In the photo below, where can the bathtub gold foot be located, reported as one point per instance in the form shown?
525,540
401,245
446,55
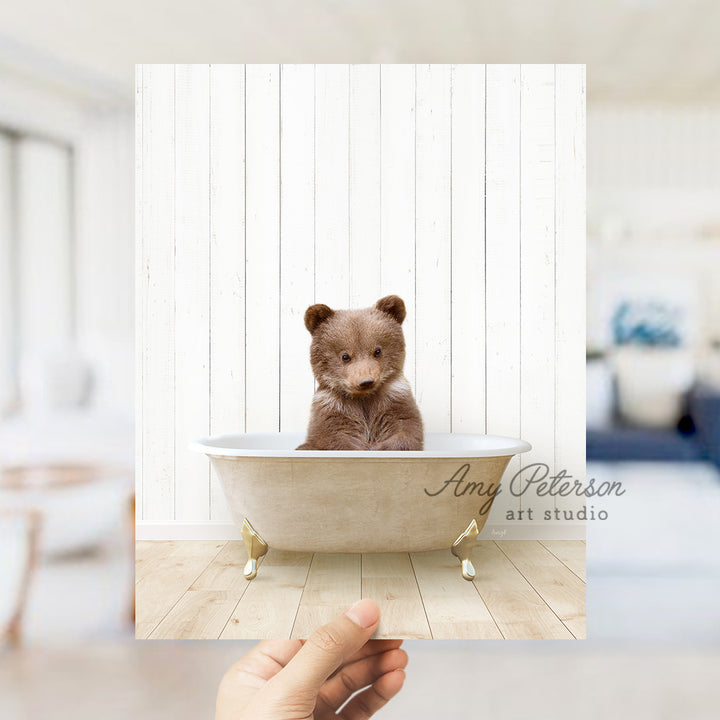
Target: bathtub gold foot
256,547
462,548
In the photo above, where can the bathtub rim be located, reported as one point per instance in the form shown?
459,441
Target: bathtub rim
506,446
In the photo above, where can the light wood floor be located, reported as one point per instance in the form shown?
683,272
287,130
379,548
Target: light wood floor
523,589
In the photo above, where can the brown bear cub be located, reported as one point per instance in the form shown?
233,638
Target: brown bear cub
363,401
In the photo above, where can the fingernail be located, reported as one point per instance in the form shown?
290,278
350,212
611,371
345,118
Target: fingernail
364,613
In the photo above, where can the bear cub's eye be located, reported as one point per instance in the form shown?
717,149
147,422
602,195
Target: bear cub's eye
377,352
345,358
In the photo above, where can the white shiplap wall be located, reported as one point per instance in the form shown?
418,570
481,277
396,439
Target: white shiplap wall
265,188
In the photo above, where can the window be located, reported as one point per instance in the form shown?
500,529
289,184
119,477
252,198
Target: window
37,268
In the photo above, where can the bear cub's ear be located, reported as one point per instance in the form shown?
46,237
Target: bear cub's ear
315,315
393,306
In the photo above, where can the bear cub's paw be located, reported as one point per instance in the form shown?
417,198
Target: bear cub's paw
399,443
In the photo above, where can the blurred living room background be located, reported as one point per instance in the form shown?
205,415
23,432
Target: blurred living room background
66,348
67,275
653,362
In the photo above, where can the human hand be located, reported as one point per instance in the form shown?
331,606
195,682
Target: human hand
312,679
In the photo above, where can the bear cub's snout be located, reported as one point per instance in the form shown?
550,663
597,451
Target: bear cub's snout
362,401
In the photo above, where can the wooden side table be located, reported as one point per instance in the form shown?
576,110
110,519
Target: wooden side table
27,523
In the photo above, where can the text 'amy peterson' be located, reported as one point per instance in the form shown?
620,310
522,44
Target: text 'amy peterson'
536,477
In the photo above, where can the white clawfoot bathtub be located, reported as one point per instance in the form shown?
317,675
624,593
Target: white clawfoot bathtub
359,502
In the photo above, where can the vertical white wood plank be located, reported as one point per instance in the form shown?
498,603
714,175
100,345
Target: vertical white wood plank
297,242
468,248
227,262
502,277
45,250
570,275
537,272
262,349
364,185
397,212
432,253
8,306
332,225
158,272
192,288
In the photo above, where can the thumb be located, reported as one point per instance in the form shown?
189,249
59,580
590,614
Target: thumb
328,648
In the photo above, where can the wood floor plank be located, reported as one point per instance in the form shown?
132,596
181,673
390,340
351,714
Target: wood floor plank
225,572
143,629
149,552
453,607
571,553
517,609
333,584
577,627
268,607
149,549
162,580
561,589
198,615
197,548
388,578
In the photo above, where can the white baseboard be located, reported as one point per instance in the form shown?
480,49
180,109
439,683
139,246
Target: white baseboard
227,531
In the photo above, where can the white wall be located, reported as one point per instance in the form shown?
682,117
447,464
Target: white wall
654,216
263,189
37,316
105,256
66,241
654,170
45,263
8,334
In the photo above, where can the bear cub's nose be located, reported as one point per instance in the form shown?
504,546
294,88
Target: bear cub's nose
366,383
